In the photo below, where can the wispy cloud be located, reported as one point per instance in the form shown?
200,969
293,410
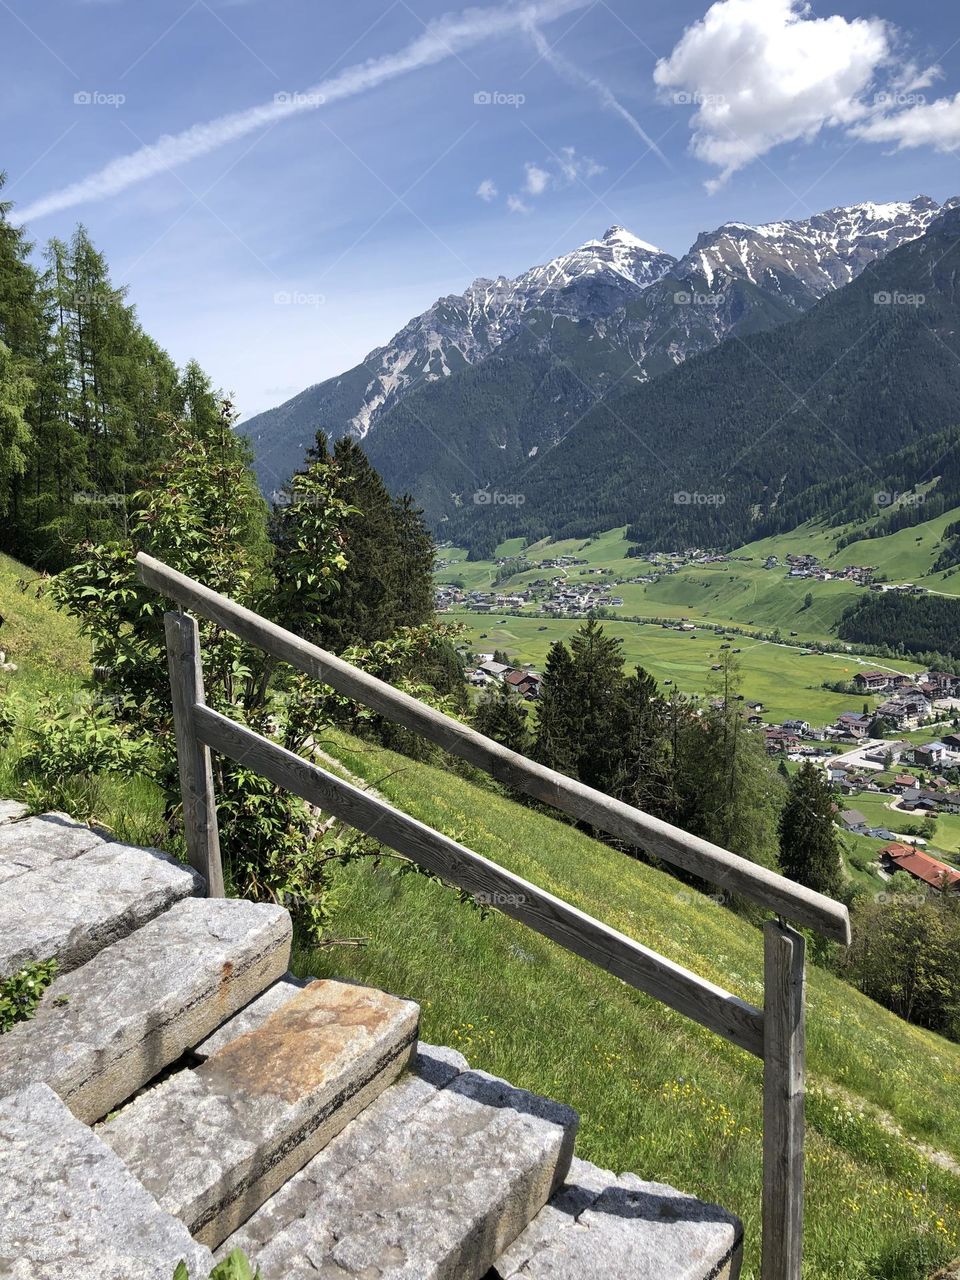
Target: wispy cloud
574,75
487,190
441,39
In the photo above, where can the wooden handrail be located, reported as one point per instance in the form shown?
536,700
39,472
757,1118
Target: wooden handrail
675,986
775,1034
727,870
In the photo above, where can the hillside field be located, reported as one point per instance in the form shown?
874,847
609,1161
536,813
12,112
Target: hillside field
787,682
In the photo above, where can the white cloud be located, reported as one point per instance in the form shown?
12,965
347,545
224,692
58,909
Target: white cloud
922,124
487,190
440,40
764,72
516,205
536,181
574,167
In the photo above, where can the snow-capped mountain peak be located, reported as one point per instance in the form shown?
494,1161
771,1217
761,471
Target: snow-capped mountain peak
817,254
622,293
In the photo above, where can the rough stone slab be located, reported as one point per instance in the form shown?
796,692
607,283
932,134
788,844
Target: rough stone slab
606,1227
432,1069
12,810
30,844
74,908
103,1031
437,1196
214,1143
253,1015
69,1209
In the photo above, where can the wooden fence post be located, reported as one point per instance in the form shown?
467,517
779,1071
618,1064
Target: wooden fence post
783,1099
193,758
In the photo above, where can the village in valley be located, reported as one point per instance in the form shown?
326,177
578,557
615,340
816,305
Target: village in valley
893,755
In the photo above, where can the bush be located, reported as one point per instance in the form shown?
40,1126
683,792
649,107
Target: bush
67,751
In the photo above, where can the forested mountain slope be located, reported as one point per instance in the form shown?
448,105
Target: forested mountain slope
707,455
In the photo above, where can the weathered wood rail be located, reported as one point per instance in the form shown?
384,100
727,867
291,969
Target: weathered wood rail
775,1034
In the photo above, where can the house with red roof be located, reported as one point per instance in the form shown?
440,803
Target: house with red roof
897,856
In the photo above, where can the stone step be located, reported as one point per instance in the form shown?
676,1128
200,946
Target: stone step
212,1144
106,1029
30,844
253,1015
610,1228
431,1182
70,1210
68,892
12,810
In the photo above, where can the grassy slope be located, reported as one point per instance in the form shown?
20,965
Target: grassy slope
54,661
656,1093
788,683
42,642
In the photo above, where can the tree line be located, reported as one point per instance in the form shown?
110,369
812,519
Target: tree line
86,397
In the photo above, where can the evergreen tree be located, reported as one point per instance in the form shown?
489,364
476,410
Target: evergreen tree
15,435
555,736
809,841
388,577
501,715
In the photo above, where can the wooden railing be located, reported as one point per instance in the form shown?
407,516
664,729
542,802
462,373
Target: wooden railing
775,1033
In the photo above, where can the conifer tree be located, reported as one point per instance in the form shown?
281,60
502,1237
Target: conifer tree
809,841
554,744
500,715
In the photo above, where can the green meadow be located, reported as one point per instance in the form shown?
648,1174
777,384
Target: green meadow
787,682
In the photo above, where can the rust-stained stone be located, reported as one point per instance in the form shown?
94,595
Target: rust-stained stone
253,1015
213,1143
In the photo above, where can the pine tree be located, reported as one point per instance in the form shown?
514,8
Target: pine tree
388,578
15,434
500,715
554,744
809,841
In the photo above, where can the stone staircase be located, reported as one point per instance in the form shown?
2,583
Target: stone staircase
178,1095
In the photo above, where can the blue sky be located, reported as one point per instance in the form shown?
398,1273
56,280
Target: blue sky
279,246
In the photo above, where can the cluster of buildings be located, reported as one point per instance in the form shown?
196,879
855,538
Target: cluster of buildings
809,566
558,596
524,682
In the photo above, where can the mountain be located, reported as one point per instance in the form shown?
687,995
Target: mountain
616,308
713,454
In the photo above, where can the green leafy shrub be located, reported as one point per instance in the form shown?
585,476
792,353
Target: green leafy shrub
67,750
236,1267
22,992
